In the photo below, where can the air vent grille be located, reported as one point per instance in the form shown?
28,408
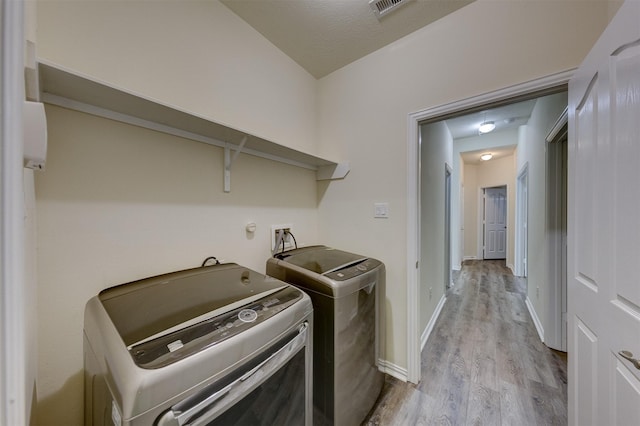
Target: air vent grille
384,7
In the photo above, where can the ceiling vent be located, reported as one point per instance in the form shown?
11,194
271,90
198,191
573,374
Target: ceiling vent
384,7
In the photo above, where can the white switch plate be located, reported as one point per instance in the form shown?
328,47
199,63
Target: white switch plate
381,210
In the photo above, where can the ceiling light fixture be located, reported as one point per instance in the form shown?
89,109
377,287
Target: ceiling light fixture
486,156
486,127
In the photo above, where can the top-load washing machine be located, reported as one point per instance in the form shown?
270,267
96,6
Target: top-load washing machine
346,290
217,345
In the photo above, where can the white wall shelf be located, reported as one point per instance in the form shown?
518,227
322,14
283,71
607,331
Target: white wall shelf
68,89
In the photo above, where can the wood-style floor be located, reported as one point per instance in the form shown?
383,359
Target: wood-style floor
483,364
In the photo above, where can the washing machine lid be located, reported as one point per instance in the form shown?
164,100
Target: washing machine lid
147,310
321,259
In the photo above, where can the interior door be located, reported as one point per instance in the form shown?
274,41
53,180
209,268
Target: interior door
495,223
604,227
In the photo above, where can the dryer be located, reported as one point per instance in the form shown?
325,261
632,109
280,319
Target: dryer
346,290
217,345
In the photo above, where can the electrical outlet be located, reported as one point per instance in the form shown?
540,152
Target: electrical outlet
288,241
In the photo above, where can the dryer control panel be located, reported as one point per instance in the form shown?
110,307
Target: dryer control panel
353,270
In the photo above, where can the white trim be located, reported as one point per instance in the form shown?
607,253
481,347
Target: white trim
413,252
556,244
512,268
534,317
413,200
392,370
12,309
521,215
432,322
557,127
482,218
470,258
480,224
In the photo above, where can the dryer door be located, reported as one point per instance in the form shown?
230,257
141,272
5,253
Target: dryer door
270,389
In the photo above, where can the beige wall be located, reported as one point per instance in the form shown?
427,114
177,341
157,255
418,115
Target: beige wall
194,55
470,214
468,220
531,152
435,155
363,111
119,203
489,174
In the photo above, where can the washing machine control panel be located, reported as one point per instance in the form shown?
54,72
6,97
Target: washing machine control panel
353,270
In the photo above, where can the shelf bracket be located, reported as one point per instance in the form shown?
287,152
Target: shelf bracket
228,162
333,172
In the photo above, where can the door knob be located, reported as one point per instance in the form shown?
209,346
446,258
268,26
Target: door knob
629,356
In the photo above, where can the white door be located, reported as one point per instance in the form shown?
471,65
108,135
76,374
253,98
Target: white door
604,227
495,223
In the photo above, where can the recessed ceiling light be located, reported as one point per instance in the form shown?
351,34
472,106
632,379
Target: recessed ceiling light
486,156
486,127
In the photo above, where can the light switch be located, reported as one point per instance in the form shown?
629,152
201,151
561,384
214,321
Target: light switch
381,210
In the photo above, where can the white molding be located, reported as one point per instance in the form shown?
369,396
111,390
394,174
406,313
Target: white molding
432,322
413,253
12,302
517,90
413,223
480,225
392,370
512,268
470,258
520,214
535,318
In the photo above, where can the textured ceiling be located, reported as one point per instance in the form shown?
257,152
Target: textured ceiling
325,35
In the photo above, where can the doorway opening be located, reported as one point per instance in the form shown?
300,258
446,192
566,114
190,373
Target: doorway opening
447,229
522,217
529,91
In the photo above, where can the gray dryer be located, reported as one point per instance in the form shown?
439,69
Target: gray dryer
346,290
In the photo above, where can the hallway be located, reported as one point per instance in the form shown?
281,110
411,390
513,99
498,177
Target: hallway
483,364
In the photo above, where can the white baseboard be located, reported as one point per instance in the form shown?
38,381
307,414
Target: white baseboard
393,370
536,320
432,322
513,269
470,258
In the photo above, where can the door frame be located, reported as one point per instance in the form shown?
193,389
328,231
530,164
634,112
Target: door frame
448,266
534,88
522,218
557,199
482,214
13,398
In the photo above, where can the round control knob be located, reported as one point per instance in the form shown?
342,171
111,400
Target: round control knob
247,315
361,267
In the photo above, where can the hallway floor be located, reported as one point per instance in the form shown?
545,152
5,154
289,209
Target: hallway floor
483,364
